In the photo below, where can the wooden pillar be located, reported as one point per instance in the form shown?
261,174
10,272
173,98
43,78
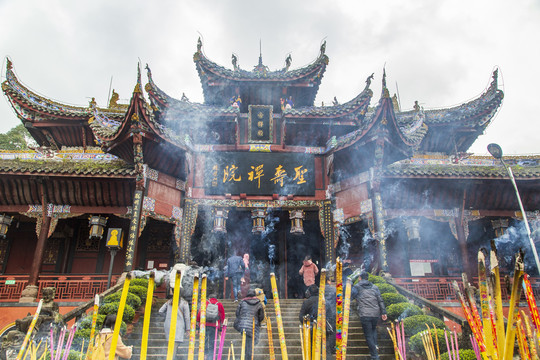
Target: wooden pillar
462,241
188,227
326,220
40,249
133,234
30,292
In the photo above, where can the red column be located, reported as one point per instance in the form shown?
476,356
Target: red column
40,249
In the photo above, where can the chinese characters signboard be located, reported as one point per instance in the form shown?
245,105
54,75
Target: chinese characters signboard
260,124
260,174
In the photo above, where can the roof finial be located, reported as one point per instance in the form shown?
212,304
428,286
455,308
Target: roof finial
385,93
9,65
260,53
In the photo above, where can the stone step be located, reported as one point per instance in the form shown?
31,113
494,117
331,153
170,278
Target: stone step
356,348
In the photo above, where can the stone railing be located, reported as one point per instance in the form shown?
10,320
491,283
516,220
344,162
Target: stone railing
70,288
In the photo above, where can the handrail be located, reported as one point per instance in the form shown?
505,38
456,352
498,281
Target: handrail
79,311
431,305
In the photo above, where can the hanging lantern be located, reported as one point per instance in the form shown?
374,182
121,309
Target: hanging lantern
258,216
499,226
412,225
297,221
97,226
220,219
5,221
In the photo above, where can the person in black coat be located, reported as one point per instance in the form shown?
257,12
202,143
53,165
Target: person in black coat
310,305
250,308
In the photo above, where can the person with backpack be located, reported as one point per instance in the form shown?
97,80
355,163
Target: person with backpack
249,312
370,309
235,271
183,320
215,315
103,342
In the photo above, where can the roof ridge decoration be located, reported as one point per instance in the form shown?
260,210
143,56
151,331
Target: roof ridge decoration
349,108
476,113
161,102
260,72
13,87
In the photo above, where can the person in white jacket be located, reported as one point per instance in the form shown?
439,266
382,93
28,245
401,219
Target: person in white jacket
182,321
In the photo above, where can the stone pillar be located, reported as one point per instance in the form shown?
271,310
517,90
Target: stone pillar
380,230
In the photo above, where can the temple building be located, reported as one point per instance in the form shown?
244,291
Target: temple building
258,168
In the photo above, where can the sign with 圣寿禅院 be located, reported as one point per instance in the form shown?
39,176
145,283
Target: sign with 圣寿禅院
259,174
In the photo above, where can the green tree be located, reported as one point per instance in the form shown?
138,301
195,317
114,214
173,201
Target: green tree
17,138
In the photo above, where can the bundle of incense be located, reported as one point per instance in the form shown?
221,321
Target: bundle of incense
253,339
532,340
392,334
313,336
472,323
82,348
222,340
426,336
533,309
60,344
454,350
521,334
193,323
70,341
450,353
232,348
339,307
51,342
93,328
499,317
174,317
243,350
147,311
436,340
457,343
403,339
300,330
270,340
279,320
346,310
229,356
485,306
30,330
475,347
202,323
509,341
469,296
323,332
119,317
399,341
319,328
215,341
307,343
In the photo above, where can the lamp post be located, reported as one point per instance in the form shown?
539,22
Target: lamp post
496,151
115,241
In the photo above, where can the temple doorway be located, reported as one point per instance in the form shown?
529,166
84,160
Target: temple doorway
273,250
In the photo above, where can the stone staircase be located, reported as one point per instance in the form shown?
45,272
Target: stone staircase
356,348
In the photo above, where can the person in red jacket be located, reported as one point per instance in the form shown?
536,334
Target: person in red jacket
309,270
214,319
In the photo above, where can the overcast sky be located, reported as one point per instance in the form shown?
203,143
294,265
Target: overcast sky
441,53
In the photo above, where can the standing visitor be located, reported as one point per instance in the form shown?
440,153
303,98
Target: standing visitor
250,309
370,309
235,271
246,279
215,315
183,319
308,270
105,338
